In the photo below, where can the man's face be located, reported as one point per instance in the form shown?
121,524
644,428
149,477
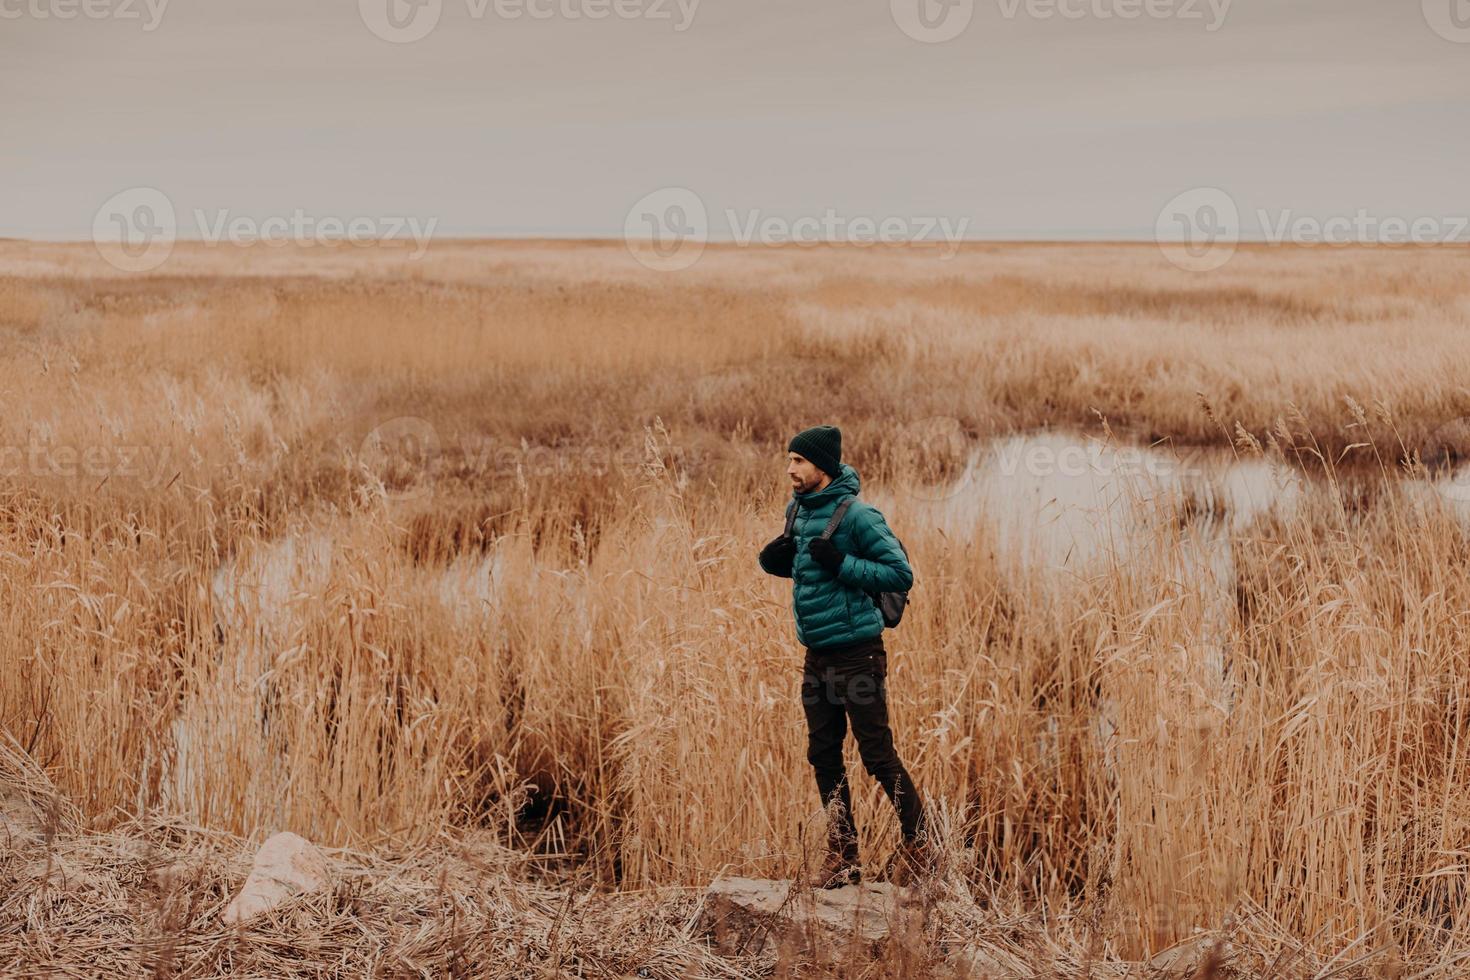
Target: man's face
804,474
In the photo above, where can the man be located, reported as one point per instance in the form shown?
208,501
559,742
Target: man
845,671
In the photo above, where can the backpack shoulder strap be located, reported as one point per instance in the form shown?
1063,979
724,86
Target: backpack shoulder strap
837,516
790,518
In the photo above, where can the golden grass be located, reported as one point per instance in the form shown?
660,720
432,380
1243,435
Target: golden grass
559,632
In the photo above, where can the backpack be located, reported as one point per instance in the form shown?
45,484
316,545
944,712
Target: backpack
890,604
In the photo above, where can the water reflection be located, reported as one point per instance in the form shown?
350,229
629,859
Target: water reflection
1059,502
1063,509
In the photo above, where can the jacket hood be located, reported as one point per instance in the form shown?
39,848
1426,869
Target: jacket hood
845,483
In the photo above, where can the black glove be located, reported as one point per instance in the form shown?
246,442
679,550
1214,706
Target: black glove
777,556
826,554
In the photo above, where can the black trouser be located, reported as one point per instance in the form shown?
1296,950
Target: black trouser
850,683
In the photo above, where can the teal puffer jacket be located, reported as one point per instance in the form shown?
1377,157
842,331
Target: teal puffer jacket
838,608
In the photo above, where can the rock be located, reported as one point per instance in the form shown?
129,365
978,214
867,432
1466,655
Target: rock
31,808
1204,953
977,963
745,915
286,866
20,818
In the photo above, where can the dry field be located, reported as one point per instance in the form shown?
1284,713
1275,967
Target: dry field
402,554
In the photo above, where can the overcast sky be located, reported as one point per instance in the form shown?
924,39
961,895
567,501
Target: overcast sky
1080,124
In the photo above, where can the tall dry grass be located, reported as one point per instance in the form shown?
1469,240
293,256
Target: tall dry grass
558,630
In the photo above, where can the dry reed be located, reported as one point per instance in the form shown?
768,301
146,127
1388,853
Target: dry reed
241,615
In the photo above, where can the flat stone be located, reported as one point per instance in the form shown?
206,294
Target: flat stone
20,817
745,915
1185,958
977,963
31,808
286,866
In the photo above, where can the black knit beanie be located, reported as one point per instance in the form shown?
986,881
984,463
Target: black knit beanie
822,445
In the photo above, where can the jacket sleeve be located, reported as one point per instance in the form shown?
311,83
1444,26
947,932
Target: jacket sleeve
879,564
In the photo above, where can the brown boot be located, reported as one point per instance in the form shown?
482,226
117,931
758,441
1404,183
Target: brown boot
913,862
836,871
